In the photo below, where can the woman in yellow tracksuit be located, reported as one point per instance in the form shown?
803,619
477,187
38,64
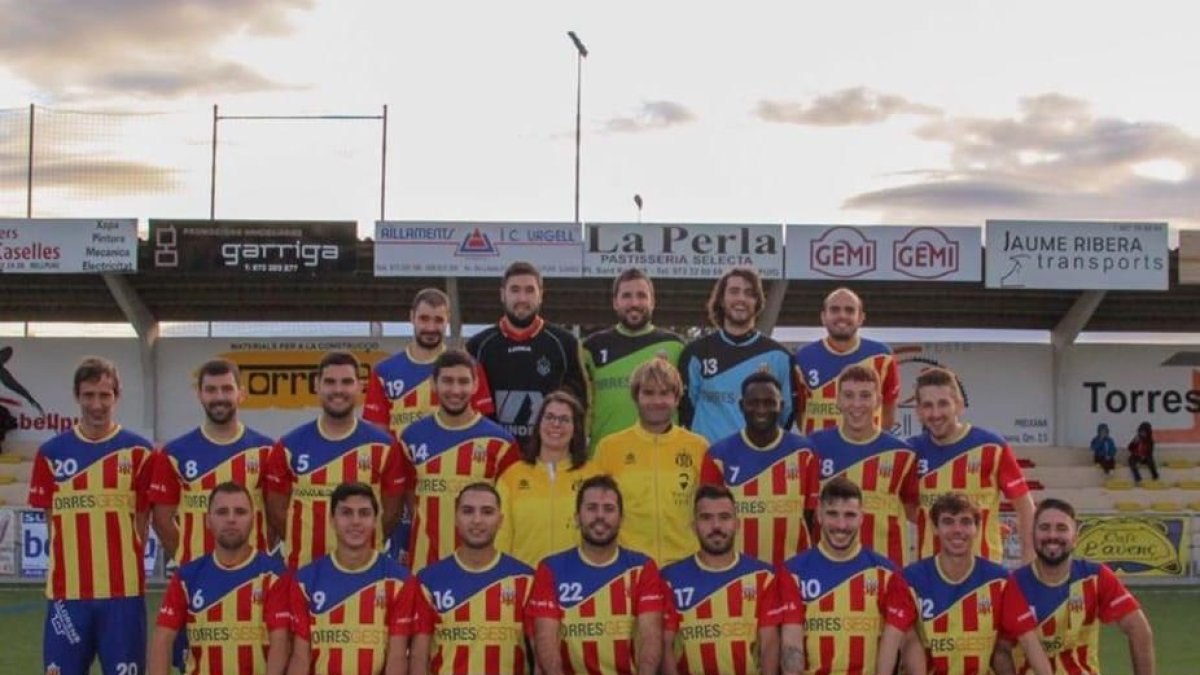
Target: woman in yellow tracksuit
537,494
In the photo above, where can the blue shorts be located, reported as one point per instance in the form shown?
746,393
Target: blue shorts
77,631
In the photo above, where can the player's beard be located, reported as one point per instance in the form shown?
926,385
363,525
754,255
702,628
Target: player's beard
635,327
335,413
1054,561
519,322
220,413
232,541
429,339
712,548
588,537
455,412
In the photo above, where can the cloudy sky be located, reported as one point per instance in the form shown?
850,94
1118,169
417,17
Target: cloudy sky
939,112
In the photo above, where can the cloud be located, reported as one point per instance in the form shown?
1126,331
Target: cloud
149,48
651,116
1054,159
847,107
94,176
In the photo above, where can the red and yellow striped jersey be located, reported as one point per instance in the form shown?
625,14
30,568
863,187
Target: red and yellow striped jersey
307,464
819,365
885,468
93,491
958,622
400,392
980,465
226,613
1066,616
596,606
538,503
770,485
841,605
716,614
187,470
476,618
346,616
438,461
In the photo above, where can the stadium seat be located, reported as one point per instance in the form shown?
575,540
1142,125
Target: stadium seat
1166,507
1035,485
1188,485
1026,463
1194,506
11,459
6,479
1129,507
1118,484
1155,485
1178,463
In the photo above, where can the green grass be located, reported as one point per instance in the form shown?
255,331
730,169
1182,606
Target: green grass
1172,613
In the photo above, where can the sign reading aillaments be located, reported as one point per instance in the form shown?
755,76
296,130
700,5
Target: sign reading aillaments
68,245
883,253
682,251
1077,255
467,249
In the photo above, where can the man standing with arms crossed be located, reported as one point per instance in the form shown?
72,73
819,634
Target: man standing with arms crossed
723,615
523,356
715,365
952,455
948,622
611,355
1062,600
221,449
597,608
469,607
819,364
92,483
231,603
307,465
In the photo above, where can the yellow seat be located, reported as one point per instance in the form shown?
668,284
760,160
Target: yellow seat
1188,485
1179,463
1166,507
6,479
1128,507
11,459
1118,484
1195,506
1155,485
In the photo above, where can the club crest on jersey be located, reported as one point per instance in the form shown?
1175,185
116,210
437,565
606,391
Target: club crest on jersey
364,463
523,484
871,587
630,459
885,469
793,472
576,485
543,366
508,596
53,669
251,465
479,452
985,606
256,596
683,460
749,592
124,465
974,465
381,598
1075,603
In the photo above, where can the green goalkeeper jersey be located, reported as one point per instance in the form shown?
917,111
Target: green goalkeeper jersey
610,357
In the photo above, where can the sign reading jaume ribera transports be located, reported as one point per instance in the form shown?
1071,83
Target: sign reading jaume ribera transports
1077,255
475,249
694,251
255,246
68,245
883,253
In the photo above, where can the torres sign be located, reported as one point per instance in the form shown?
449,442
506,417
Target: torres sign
283,374
883,253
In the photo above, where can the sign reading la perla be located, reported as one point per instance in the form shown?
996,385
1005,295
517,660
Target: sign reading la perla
883,253
683,251
68,245
1077,255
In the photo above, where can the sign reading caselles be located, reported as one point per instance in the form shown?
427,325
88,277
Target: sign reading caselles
1137,545
883,253
68,245
682,251
254,247
1074,255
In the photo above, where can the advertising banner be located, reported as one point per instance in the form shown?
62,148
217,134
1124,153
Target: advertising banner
68,245
9,528
1189,256
1008,388
1077,255
684,251
269,247
884,253
279,377
35,546
1141,546
1125,385
471,249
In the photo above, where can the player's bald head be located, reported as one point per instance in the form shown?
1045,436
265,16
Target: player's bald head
842,294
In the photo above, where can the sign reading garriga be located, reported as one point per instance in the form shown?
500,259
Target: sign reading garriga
682,251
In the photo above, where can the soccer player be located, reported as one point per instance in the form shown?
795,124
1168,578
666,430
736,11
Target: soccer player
221,449
953,455
883,466
92,482
659,465
949,620
344,605
611,355
723,614
832,595
597,608
714,366
446,451
469,608
1063,600
523,356
537,494
307,464
769,470
819,364
231,603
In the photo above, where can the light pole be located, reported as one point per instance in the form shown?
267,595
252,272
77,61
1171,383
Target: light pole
582,54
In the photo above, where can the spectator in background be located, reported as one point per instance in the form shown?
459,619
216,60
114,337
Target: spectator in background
1104,451
1141,451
